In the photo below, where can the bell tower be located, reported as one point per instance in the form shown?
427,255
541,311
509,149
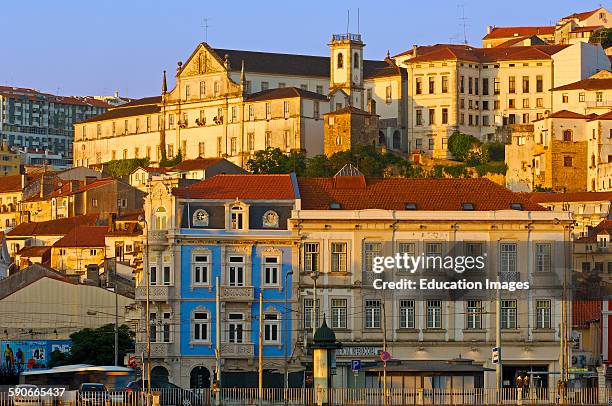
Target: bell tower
346,70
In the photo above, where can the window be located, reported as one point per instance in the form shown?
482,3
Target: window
234,114
432,84
432,116
539,102
202,89
166,275
99,130
508,314
235,272
200,326
567,135
271,328
371,250
271,271
599,97
511,84
567,161
508,258
308,313
216,88
304,86
265,86
388,94
496,104
525,103
251,141
372,314
525,84
338,256
473,315
200,269
525,118
418,85
187,92
543,257
281,85
564,98
311,257
485,86
286,109
94,202
236,218
461,84
581,97
419,117
219,146
201,149
235,328
511,103
319,89
444,84
93,253
407,314
356,60
339,313
340,61
316,110
542,314
153,275
233,146
268,111
251,112
470,85
434,314
539,84
445,115
496,86
153,327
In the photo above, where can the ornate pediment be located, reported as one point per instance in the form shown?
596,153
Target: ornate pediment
203,61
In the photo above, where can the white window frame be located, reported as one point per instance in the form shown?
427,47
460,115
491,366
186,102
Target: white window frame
271,324
433,314
199,326
473,314
543,314
274,266
202,267
407,314
233,273
312,259
339,258
373,312
339,313
235,325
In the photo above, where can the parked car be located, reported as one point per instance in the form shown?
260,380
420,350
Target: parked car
92,394
169,393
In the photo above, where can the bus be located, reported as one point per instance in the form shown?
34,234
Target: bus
72,376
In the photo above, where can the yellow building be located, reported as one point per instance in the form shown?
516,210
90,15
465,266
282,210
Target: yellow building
11,192
82,247
10,161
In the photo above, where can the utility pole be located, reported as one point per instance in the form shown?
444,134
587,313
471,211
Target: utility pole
498,366
218,340
315,320
287,321
116,321
384,326
260,385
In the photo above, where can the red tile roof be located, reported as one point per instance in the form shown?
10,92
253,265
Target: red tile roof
588,84
34,251
581,16
549,197
83,236
604,227
52,227
196,164
605,116
395,193
284,93
567,114
147,105
484,55
251,187
507,32
349,109
10,184
587,28
585,311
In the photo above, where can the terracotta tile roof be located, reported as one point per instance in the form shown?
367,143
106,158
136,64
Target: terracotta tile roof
284,93
196,164
507,32
483,55
130,230
148,105
585,311
83,236
25,277
284,64
52,227
604,227
348,109
567,114
581,16
132,215
250,187
395,193
605,116
588,84
549,197
10,184
34,251
426,49
151,169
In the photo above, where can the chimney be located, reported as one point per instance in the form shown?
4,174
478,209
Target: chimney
414,50
116,94
489,29
93,274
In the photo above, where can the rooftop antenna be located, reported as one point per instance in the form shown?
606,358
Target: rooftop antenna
358,32
463,20
348,20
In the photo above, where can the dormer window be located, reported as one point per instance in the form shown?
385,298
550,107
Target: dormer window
236,218
334,206
602,241
467,206
410,206
516,206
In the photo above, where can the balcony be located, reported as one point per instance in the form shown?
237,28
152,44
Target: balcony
237,293
602,103
158,350
157,239
156,293
237,350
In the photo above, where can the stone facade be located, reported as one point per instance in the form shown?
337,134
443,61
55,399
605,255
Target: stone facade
348,127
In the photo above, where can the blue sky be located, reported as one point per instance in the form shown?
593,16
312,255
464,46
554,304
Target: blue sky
96,47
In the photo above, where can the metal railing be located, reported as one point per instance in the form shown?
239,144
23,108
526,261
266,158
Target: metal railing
308,396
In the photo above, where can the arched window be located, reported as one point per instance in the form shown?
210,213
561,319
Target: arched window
567,135
159,374
199,378
397,140
340,63
356,60
160,218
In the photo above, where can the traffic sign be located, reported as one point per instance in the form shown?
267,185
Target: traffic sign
356,365
385,356
496,355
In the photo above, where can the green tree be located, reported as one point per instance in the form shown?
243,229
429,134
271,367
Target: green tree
273,160
319,166
602,36
497,151
460,144
124,167
165,162
96,346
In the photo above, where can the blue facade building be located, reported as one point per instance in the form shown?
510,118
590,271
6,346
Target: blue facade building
225,236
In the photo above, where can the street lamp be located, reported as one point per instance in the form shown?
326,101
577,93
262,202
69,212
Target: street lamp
285,333
91,312
314,275
147,321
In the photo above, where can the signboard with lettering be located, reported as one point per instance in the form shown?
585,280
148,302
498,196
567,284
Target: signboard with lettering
25,355
358,352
